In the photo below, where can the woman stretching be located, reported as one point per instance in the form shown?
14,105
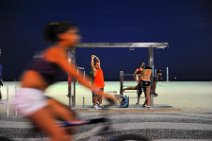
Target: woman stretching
43,72
98,81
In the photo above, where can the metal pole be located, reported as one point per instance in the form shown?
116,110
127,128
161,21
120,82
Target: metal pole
151,64
121,82
83,102
167,74
153,70
84,74
71,59
16,111
69,90
151,57
8,109
74,94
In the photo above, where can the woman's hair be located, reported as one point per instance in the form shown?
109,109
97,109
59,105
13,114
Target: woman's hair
147,68
53,29
142,62
95,61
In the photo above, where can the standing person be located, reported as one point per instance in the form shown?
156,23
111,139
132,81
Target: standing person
1,84
98,81
146,85
139,71
42,73
138,78
155,80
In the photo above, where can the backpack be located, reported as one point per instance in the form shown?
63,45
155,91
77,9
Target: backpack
124,102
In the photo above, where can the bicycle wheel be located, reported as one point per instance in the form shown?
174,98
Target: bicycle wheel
5,139
131,137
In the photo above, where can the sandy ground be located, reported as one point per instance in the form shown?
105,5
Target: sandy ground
191,97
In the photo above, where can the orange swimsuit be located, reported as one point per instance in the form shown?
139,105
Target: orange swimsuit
99,79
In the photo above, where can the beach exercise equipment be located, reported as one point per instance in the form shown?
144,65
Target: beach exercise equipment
126,77
132,46
122,86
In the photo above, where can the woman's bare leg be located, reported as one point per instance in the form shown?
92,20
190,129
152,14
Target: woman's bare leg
138,99
148,97
100,97
95,99
130,88
145,102
44,120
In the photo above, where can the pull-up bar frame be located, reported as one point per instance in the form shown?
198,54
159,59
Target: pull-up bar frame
150,45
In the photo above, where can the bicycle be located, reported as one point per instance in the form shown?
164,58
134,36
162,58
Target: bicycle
101,134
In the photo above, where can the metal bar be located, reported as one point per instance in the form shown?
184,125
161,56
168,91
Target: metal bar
84,74
69,91
151,57
142,97
153,70
125,86
112,92
151,64
159,45
121,81
81,68
167,74
83,102
8,108
130,91
16,110
71,59
74,94
128,74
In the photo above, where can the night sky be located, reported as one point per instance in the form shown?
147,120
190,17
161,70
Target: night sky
185,24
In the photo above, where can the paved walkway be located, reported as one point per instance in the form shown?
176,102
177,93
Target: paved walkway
173,126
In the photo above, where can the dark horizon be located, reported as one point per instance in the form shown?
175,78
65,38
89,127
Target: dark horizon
185,25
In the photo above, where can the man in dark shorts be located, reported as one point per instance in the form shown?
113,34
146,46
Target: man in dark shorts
137,75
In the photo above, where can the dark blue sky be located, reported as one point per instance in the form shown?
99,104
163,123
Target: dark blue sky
185,24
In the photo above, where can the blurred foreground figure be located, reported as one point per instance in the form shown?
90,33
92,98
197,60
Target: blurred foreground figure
43,72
